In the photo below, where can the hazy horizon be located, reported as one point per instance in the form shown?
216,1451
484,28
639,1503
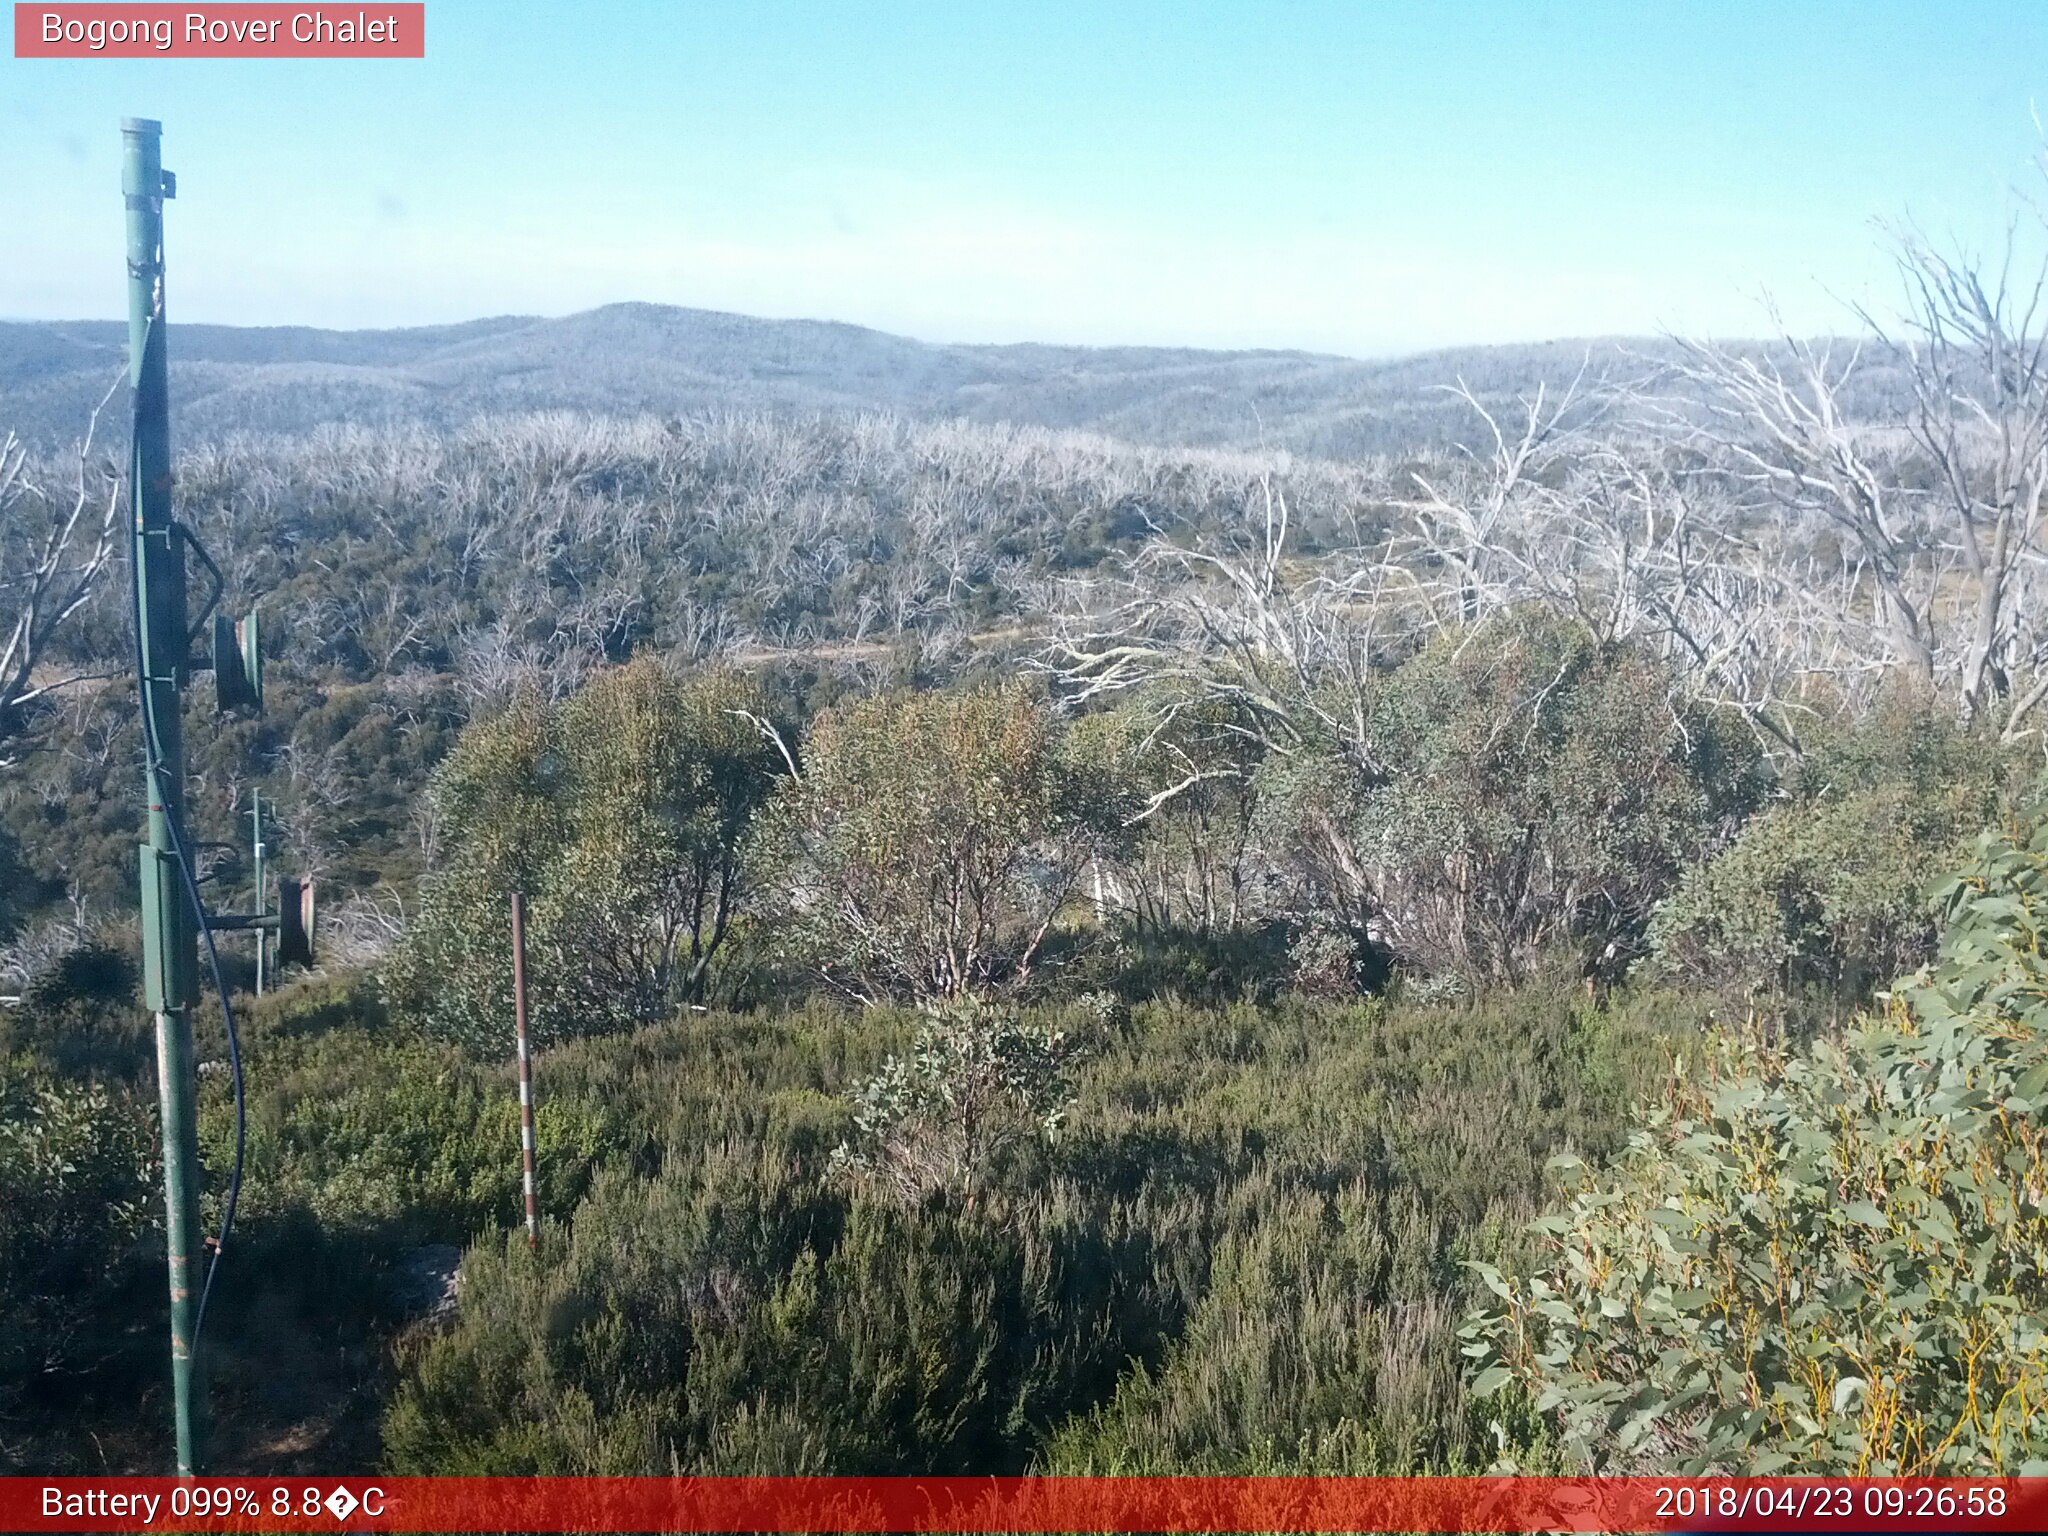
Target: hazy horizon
1395,355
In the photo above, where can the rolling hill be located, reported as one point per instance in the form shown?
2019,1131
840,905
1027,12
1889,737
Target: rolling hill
632,358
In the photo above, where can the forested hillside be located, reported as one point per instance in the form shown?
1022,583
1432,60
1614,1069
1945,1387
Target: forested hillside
627,359
1056,949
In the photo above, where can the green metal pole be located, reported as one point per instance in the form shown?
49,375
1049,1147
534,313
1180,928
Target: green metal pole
262,938
169,936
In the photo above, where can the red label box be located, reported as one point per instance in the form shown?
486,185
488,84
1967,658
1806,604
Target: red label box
236,31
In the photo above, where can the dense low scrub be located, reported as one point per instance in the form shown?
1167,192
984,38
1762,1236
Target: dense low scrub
725,1282
1240,1248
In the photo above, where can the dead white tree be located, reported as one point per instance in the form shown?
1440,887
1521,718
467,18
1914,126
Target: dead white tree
1638,553
1472,518
360,931
54,549
1975,344
1774,419
1241,620
1939,504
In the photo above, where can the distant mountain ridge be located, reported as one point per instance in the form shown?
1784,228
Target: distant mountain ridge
634,358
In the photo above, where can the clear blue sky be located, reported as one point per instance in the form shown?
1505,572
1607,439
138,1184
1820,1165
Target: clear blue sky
1363,177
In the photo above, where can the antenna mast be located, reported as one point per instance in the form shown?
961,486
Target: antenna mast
174,916
169,931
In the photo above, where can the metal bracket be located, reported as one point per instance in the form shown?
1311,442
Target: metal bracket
168,979
295,922
220,582
231,922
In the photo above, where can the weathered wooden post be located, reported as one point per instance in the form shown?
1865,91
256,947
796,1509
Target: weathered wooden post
526,1145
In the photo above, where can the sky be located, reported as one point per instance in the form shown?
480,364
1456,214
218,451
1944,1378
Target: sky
1366,177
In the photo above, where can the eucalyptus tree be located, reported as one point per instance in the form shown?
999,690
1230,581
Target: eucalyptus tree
933,840
623,812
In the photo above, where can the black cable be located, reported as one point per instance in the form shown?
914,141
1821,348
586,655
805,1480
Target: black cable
153,753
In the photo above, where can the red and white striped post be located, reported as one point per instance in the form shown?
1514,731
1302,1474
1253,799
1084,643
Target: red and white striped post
525,1062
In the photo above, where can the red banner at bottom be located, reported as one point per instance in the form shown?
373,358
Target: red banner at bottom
1035,1504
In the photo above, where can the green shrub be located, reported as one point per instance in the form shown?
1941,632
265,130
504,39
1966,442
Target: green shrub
77,1202
1317,1347
410,1139
16,884
1222,964
944,1116
81,1015
1829,1262
690,1322
1186,870
1525,789
1823,890
934,838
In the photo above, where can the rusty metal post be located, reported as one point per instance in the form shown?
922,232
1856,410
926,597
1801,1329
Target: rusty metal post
525,1062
